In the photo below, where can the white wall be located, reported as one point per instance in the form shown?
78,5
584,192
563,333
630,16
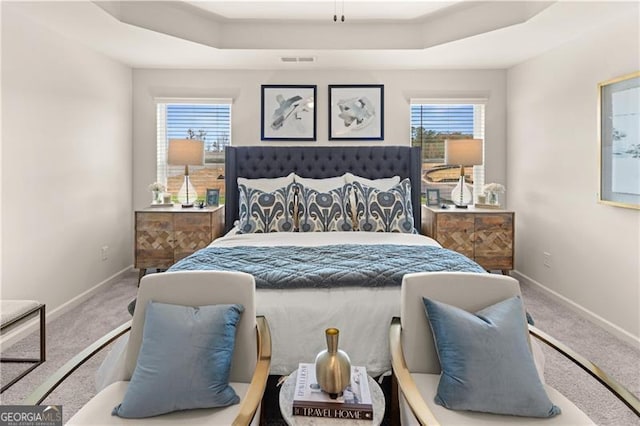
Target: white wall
244,88
66,164
552,165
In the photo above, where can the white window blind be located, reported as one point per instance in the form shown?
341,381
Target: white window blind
205,119
434,121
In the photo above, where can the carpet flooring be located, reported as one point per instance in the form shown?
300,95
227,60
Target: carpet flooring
76,329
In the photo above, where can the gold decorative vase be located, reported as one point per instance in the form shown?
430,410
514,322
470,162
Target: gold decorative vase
333,367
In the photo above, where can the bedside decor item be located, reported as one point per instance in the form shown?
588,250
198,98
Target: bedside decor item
157,189
433,197
491,191
288,113
619,140
333,366
356,112
462,152
213,197
186,152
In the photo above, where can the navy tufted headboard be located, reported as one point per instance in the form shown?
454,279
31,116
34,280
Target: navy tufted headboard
372,162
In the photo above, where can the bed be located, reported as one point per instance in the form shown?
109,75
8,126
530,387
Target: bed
300,310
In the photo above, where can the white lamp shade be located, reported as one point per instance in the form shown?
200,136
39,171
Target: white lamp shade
186,152
463,152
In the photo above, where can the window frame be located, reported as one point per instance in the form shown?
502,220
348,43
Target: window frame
161,127
479,130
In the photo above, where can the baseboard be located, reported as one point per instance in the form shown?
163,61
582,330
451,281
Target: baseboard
617,331
14,336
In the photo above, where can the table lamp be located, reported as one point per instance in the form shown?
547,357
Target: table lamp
186,152
463,152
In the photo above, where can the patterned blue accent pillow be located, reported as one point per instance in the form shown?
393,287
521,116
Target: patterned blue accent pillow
486,362
262,212
324,211
384,211
184,360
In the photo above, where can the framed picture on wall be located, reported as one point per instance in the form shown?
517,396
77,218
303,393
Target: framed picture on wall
213,197
356,112
619,140
288,113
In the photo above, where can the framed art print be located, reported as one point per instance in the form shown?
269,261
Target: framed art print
213,197
433,197
288,113
619,141
356,112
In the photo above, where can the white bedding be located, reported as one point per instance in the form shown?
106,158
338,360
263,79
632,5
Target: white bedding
298,318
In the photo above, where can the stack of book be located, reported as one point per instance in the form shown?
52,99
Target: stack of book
488,206
354,404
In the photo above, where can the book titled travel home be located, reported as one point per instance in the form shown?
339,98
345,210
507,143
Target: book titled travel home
309,400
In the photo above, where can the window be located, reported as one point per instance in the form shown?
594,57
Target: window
207,120
432,122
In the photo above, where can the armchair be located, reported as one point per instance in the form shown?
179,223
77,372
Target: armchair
416,365
249,365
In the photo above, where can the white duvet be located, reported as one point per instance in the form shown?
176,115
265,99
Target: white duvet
298,318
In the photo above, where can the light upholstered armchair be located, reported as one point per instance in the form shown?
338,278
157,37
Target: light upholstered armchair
417,355
171,309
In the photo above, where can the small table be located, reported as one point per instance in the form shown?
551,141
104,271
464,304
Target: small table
286,407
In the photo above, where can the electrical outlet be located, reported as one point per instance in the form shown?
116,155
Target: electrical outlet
104,251
546,259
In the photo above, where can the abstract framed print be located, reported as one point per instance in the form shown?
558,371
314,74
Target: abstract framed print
619,141
356,112
288,113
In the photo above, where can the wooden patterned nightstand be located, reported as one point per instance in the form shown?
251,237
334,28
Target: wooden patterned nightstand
166,235
484,235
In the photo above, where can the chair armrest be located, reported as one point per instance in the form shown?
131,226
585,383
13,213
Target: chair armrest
610,383
53,381
253,398
403,376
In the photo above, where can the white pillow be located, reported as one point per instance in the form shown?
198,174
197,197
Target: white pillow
267,184
384,184
321,185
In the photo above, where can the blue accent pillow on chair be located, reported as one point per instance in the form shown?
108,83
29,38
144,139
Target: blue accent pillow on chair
486,362
184,360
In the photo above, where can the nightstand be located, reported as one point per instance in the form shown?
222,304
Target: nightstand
165,235
484,235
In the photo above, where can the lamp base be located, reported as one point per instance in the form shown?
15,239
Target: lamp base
461,195
187,194
187,206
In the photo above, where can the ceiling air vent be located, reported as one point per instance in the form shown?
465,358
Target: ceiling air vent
292,59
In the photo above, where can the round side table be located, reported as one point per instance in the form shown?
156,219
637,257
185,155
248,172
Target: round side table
286,407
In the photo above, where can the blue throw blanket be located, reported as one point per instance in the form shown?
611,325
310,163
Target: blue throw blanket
342,265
